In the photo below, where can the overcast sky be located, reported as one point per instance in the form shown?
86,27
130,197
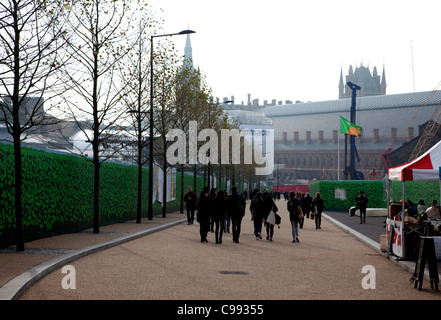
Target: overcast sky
294,50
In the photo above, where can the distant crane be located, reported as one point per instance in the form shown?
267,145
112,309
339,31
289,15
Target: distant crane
426,139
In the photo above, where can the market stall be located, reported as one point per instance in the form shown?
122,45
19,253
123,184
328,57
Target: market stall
399,225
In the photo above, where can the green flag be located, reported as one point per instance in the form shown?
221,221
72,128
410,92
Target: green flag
349,128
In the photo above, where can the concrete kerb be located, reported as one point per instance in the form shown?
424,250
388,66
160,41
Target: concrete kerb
15,287
407,265
375,245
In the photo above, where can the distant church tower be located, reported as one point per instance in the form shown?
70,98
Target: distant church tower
371,84
188,53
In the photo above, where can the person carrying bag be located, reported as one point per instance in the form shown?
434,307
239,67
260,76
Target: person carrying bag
270,210
295,215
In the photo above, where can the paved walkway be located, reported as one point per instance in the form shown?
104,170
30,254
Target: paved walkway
133,261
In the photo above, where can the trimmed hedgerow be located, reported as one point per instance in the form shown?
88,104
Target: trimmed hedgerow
58,193
416,191
375,191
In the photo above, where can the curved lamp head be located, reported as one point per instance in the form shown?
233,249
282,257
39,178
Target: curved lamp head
187,32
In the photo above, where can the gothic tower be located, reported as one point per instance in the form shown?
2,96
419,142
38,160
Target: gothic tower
371,83
188,54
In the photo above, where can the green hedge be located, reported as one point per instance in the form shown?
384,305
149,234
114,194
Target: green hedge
375,191
416,191
58,194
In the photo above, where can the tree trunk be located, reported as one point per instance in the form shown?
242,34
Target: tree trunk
138,213
18,192
96,190
164,192
182,189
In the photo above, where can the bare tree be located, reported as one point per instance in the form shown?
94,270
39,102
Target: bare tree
136,75
100,42
186,86
31,34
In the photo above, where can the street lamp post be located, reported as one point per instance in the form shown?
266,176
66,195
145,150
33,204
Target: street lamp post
150,204
209,125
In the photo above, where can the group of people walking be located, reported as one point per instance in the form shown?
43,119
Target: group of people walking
215,209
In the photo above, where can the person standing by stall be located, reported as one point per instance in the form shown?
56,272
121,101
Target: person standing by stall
362,201
319,208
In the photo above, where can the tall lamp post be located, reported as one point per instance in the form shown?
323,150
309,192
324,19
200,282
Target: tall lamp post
209,125
150,205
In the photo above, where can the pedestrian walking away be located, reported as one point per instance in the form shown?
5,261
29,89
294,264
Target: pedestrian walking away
227,221
269,210
219,214
257,215
319,208
294,209
203,214
190,199
212,195
308,199
362,201
236,210
305,208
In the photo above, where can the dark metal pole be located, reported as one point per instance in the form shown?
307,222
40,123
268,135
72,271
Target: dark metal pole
354,88
151,124
352,164
209,160
150,204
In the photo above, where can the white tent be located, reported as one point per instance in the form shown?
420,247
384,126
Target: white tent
424,168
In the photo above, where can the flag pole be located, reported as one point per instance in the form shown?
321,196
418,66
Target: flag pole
338,158
338,154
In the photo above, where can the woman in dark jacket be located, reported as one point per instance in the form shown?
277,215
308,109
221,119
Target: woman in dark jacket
268,206
219,214
319,206
203,206
293,204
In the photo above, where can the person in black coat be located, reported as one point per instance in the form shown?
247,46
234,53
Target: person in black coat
318,203
308,199
292,206
219,210
268,206
362,202
190,199
256,208
236,210
203,217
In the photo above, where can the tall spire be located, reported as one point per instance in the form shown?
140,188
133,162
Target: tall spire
383,77
383,82
341,85
188,53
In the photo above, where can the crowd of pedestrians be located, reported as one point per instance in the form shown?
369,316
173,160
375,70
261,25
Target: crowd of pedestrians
217,211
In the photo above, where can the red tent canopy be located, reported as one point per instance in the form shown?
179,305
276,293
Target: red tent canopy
426,167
